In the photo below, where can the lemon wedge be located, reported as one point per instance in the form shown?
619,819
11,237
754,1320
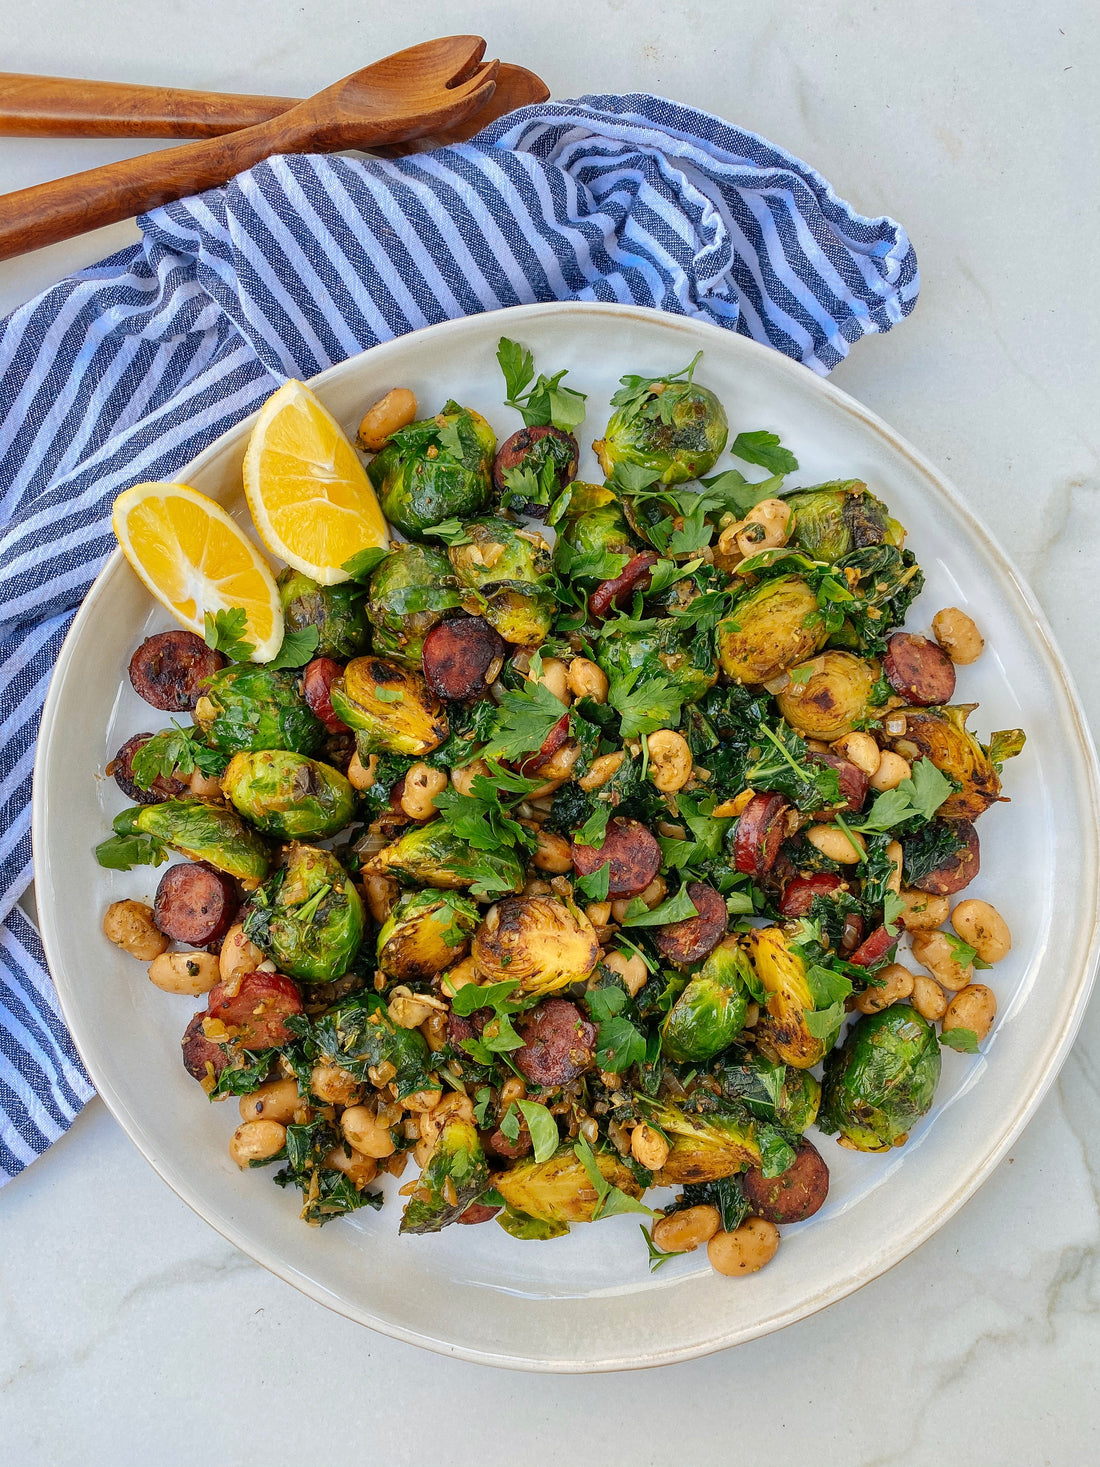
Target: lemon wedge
193,558
309,494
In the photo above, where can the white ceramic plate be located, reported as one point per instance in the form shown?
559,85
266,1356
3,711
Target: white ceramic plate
587,1301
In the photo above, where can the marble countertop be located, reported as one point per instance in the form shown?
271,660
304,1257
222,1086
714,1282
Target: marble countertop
129,1330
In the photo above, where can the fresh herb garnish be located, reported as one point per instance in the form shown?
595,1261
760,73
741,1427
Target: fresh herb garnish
225,633
609,1200
296,648
547,402
175,752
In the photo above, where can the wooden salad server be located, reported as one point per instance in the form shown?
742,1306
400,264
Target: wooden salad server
64,106
411,94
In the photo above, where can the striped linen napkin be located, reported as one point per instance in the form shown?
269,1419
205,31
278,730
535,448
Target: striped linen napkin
126,371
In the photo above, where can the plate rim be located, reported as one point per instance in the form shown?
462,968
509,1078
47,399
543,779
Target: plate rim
902,1244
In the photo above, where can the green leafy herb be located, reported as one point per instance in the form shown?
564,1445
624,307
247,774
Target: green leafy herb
676,908
596,886
918,797
594,829
296,648
510,1124
644,705
451,532
965,955
777,1153
388,695
121,852
619,1043
964,1040
225,633
764,449
657,1256
636,389
543,1128
524,720
177,752
609,1200
364,562
483,1098
548,402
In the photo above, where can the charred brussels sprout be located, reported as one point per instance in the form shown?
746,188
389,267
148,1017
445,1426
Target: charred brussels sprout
433,855
770,1091
411,591
435,470
782,1028
559,1190
833,519
712,1008
503,570
425,933
941,735
337,612
702,1148
537,941
773,626
455,1174
881,1080
247,708
594,540
390,707
308,918
833,698
660,650
207,833
675,429
289,795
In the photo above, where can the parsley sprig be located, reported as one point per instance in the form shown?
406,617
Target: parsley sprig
175,752
225,633
547,402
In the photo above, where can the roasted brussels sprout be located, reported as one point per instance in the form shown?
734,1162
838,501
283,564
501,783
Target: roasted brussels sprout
410,592
559,1189
454,1175
308,918
659,650
207,833
246,707
338,612
781,1029
432,855
434,470
770,1091
503,571
881,1080
425,933
390,707
773,626
834,697
536,940
941,735
833,519
594,540
702,1148
289,795
676,429
712,1008
359,1036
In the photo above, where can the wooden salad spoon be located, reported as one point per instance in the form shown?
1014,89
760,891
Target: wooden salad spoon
410,94
67,107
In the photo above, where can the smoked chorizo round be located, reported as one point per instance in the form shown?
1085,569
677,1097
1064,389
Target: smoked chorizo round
462,657
692,939
169,670
629,850
195,904
918,670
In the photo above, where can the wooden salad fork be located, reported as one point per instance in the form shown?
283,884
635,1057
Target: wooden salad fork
411,94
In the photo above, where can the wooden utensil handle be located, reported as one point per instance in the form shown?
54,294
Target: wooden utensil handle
60,106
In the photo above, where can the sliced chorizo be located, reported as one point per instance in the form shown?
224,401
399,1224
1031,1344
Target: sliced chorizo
873,949
478,1212
918,670
559,1043
550,746
959,869
690,941
317,680
462,657
499,1144
170,669
759,834
794,1195
198,1051
513,452
122,768
254,1016
852,780
629,850
798,895
195,904
634,576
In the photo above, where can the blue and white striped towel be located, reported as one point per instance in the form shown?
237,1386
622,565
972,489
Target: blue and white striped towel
126,371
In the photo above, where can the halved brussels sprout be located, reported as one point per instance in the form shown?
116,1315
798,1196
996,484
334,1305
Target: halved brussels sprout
833,519
712,1008
434,470
410,592
503,570
308,918
835,696
594,528
661,650
390,707
941,735
769,1090
881,1080
536,940
338,612
773,626
432,855
676,429
455,1174
248,707
781,1030
702,1148
424,934
559,1189
207,833
289,795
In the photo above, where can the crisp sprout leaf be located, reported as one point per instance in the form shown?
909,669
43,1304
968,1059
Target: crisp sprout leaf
543,1128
